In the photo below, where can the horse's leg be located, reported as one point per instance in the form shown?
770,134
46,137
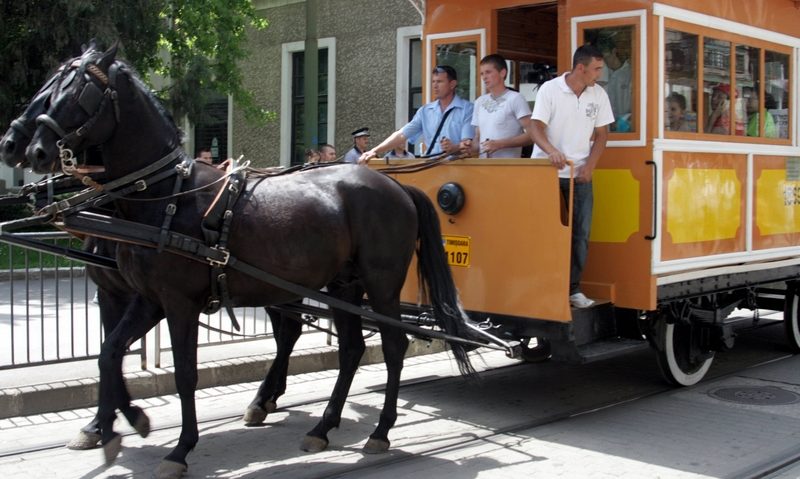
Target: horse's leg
286,330
112,308
140,315
351,348
394,344
182,317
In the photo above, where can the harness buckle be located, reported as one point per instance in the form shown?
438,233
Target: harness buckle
226,255
184,169
141,185
171,209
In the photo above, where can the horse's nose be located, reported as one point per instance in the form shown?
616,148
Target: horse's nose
37,156
7,146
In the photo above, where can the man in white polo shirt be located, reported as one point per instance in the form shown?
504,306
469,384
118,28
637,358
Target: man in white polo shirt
570,122
501,117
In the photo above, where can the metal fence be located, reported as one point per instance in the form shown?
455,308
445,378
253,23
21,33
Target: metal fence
48,313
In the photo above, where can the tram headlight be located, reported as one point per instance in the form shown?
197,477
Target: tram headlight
451,198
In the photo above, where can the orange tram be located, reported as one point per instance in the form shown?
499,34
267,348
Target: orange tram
692,218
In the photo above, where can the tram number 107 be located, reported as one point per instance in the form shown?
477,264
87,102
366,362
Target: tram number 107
457,250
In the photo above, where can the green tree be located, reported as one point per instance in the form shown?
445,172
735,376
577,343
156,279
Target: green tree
196,44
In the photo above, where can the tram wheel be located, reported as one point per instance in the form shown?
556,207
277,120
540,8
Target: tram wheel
539,352
791,318
680,358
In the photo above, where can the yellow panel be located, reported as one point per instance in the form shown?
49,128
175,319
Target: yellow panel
777,203
616,206
703,205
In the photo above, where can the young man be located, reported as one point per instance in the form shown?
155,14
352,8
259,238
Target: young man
562,132
360,144
448,110
327,153
204,156
501,117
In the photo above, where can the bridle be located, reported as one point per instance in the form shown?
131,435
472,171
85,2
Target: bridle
93,100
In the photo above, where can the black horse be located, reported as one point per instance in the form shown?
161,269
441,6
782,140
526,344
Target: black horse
345,227
117,300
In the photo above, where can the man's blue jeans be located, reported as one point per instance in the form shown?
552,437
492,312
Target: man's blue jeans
582,203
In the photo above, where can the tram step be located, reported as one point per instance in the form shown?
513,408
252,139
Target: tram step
609,348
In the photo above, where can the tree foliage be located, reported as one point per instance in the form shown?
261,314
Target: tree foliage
196,44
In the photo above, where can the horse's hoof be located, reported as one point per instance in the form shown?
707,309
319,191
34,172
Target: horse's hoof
254,416
314,444
84,441
271,407
142,425
170,470
376,446
112,448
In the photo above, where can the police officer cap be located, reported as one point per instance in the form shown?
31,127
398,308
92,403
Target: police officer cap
360,132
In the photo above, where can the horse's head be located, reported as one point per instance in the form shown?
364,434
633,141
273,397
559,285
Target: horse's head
82,111
19,134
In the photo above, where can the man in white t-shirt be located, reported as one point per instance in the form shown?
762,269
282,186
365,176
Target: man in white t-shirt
501,117
570,122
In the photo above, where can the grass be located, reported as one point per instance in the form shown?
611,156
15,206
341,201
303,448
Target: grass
13,257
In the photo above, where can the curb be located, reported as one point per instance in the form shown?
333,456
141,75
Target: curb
82,393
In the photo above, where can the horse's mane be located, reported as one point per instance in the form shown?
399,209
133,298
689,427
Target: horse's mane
149,95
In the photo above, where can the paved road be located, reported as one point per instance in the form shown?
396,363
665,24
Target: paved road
609,419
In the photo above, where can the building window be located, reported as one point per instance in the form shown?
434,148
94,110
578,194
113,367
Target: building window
414,76
298,102
211,130
292,98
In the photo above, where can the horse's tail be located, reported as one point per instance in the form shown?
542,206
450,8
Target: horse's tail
436,280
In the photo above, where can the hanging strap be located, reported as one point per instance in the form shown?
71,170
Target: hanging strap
438,130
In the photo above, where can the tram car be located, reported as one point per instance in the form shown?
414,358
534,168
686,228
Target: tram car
690,222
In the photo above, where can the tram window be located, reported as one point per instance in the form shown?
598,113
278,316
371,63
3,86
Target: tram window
616,43
717,86
776,91
464,58
681,81
748,87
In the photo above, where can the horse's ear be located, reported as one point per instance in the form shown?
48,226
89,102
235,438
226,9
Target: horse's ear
92,45
108,57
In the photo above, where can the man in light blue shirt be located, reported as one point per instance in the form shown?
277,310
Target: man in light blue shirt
449,115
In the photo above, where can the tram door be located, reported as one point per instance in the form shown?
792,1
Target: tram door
527,37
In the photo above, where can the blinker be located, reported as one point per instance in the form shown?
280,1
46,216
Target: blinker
90,98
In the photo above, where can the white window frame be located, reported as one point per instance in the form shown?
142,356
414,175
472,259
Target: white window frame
429,59
287,49
402,85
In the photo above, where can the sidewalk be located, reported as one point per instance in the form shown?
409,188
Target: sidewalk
64,386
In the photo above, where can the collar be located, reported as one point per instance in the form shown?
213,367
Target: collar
561,81
457,102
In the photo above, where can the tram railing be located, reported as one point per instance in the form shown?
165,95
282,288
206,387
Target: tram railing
48,313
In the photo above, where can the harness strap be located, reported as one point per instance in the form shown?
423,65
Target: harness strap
216,228
131,180
183,171
20,127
